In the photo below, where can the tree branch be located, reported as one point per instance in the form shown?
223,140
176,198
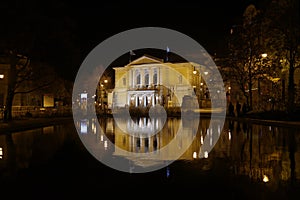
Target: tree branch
36,88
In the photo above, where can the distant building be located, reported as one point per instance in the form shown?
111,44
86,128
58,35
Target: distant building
28,96
149,81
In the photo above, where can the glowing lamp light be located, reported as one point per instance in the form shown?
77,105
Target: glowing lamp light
194,71
205,73
105,81
1,76
265,179
264,55
205,154
105,144
195,154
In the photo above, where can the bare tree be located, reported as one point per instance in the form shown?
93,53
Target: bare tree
21,71
283,22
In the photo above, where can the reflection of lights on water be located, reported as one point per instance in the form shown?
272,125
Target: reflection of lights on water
195,154
83,126
266,179
94,129
205,154
168,172
105,144
1,152
229,135
201,139
101,138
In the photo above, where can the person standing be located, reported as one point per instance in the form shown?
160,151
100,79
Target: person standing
244,108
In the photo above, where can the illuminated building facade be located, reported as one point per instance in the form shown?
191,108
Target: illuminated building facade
149,81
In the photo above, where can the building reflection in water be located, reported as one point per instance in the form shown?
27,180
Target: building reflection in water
263,153
266,154
132,139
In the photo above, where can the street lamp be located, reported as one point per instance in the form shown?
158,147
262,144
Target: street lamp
103,95
194,71
264,55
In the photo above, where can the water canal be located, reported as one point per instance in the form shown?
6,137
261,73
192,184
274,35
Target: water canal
245,161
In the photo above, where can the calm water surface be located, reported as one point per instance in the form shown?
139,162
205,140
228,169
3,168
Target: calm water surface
237,161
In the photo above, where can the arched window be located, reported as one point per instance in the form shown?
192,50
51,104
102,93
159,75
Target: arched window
155,77
146,78
138,77
180,79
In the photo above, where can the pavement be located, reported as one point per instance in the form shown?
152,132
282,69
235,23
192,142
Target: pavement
30,123
266,121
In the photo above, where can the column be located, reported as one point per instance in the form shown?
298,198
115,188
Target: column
150,76
133,77
153,99
158,76
128,99
142,76
129,80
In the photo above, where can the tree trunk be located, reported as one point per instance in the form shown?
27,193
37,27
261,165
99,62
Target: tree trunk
8,106
250,95
12,78
291,88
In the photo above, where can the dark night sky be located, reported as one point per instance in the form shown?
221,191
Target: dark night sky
64,32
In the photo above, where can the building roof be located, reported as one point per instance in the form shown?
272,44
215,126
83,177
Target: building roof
145,59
